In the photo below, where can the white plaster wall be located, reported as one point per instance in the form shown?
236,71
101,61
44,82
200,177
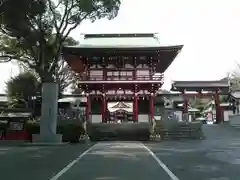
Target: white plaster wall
143,118
178,115
226,115
96,118
158,118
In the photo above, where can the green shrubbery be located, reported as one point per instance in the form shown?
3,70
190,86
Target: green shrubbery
71,131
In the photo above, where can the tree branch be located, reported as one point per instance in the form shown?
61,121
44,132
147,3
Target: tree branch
76,24
53,11
65,16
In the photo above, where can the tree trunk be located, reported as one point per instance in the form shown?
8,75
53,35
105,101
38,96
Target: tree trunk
49,109
46,77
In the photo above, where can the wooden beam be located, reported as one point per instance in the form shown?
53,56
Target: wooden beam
198,94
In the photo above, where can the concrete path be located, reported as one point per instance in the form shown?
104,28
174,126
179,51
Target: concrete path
116,161
36,163
216,158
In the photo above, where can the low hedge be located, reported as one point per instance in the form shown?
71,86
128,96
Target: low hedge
71,131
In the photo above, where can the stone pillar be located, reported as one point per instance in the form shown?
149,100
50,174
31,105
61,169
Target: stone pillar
48,120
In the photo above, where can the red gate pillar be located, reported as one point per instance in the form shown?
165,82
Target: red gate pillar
103,107
135,107
185,103
185,106
218,108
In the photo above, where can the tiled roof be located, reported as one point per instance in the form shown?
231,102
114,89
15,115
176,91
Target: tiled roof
200,84
120,41
236,94
121,105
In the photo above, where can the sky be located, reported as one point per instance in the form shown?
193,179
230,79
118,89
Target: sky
208,29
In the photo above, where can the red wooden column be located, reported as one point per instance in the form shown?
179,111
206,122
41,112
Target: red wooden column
135,107
152,106
103,107
104,103
185,107
218,108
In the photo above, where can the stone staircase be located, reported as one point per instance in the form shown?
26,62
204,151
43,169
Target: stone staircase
234,121
177,130
125,131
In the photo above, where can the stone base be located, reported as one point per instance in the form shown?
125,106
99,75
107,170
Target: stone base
53,138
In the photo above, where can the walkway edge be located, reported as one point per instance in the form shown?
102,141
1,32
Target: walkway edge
70,165
161,164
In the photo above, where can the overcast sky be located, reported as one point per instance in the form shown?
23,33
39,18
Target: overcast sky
208,29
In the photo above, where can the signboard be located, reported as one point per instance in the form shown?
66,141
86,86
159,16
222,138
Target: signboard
16,126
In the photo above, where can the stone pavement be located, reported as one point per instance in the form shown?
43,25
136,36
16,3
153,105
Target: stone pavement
37,162
216,158
115,161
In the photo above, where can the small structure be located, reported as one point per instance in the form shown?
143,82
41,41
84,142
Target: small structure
13,123
120,111
226,109
211,89
235,105
76,107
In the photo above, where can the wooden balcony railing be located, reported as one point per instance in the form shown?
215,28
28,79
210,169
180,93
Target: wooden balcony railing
124,78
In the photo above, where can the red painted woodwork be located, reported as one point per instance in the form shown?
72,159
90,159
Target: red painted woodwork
17,135
191,95
219,112
133,81
76,63
185,106
103,108
219,117
114,86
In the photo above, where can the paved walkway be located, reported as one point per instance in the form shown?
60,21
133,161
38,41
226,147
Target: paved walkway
216,158
116,161
36,163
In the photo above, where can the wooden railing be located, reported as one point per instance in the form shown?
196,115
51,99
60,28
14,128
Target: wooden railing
124,78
